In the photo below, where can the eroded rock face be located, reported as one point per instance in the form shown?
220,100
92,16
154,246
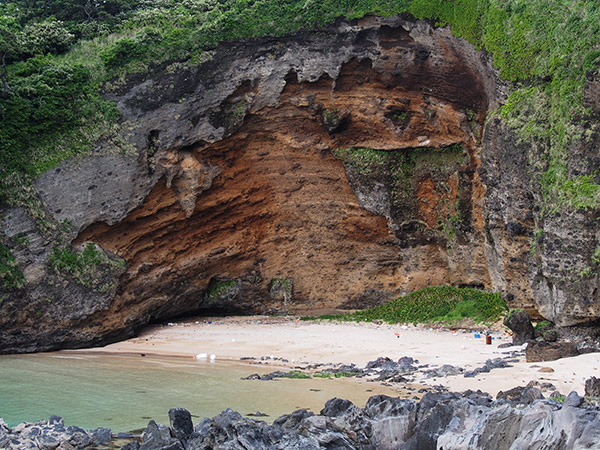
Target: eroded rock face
292,174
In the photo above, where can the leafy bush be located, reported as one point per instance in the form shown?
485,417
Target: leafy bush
45,37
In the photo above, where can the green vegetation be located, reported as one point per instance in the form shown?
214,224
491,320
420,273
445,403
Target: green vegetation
445,304
89,268
281,287
325,374
56,56
11,276
331,119
219,288
297,374
398,170
543,325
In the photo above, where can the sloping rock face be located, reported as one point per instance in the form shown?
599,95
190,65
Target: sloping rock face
338,168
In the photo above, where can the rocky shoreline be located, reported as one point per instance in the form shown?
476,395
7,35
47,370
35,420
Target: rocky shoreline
473,420
52,434
518,418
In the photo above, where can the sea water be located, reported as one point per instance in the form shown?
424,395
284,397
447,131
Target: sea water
124,392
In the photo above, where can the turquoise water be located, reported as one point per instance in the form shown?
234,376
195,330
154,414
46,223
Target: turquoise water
124,392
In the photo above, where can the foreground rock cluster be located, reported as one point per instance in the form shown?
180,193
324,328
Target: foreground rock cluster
469,420
51,434
519,418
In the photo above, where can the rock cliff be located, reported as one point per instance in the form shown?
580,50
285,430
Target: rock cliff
330,169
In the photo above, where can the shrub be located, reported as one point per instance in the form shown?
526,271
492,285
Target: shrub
45,37
122,52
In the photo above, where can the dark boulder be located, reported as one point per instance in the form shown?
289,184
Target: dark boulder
181,422
520,324
550,336
592,387
530,394
539,351
573,399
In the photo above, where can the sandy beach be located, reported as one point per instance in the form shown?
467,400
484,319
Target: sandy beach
310,342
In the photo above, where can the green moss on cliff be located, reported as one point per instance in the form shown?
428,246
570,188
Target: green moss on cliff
399,173
11,276
220,288
90,268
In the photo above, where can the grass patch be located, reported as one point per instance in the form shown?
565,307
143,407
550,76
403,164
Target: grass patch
89,268
297,374
334,375
442,304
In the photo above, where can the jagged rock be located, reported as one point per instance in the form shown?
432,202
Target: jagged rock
51,434
291,421
512,395
444,371
520,324
181,422
440,420
407,364
539,351
592,387
155,437
393,420
378,363
497,363
133,445
530,394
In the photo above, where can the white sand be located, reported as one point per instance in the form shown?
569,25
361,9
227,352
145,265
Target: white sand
358,343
